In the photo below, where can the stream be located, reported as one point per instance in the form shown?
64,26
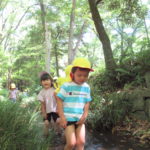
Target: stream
105,141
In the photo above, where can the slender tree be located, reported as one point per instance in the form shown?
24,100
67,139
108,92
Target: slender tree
72,50
70,42
47,37
108,55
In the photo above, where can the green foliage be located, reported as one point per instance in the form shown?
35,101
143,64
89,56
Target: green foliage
19,128
128,11
109,107
130,71
143,61
109,111
3,92
102,82
4,65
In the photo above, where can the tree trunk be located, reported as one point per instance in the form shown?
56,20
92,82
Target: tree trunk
9,77
47,37
70,42
122,42
56,60
146,29
108,55
48,48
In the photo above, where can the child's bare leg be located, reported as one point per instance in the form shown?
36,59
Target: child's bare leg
80,137
46,127
57,127
70,137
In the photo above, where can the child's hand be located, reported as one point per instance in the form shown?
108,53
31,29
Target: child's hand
44,115
82,120
63,122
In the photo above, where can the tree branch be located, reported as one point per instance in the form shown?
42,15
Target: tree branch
79,38
11,30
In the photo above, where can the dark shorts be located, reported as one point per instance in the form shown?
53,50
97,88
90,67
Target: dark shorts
72,123
53,116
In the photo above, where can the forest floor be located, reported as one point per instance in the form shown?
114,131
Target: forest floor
137,131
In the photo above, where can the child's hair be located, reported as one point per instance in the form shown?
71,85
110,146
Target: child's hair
46,76
81,69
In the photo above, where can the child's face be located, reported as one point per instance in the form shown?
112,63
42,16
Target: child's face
46,83
80,76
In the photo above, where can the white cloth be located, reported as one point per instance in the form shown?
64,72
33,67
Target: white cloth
47,96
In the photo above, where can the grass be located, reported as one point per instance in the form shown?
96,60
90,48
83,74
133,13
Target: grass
20,128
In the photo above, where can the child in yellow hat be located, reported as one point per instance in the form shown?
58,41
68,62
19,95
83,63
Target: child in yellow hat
73,101
13,93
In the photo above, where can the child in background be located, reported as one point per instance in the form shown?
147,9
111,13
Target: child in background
73,101
13,93
48,102
61,80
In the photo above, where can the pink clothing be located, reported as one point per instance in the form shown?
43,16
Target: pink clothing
47,96
13,94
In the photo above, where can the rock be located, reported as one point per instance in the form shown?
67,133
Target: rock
140,101
140,115
137,100
147,79
147,108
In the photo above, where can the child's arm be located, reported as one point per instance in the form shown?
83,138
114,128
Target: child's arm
85,114
55,95
63,122
43,110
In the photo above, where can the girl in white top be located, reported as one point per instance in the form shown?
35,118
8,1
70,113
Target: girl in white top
48,102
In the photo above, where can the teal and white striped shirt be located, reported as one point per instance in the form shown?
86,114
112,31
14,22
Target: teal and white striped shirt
74,98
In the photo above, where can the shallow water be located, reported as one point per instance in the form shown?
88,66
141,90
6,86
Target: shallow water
104,141
107,141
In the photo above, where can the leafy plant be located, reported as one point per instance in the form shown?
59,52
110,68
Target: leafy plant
108,110
19,128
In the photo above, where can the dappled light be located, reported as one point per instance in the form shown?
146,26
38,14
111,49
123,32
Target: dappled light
75,74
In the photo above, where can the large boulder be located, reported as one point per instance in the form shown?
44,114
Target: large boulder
140,101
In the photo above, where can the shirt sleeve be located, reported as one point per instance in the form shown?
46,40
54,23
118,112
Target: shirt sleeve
40,97
62,92
89,95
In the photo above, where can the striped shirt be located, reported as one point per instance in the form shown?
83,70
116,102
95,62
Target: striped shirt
74,98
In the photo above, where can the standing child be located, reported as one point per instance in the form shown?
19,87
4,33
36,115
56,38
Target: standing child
13,93
73,104
48,102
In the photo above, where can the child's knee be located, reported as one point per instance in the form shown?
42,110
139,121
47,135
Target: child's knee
71,145
80,142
